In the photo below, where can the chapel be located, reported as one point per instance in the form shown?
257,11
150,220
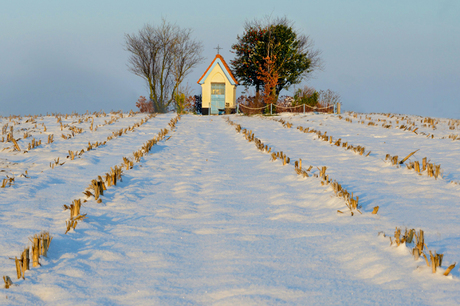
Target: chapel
218,88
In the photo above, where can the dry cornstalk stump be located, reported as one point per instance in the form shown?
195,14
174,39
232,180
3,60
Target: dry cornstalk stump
7,181
7,281
40,245
419,248
75,215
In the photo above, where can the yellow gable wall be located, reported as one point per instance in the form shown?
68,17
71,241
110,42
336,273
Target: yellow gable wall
217,75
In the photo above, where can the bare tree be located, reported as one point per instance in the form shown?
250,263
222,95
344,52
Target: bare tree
163,56
329,97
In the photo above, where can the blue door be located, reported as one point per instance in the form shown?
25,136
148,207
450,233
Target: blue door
217,97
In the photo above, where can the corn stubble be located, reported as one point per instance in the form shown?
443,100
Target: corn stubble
357,149
92,146
40,245
407,124
7,281
416,240
98,186
431,169
41,242
409,236
351,201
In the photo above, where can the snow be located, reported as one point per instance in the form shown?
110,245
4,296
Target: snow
205,218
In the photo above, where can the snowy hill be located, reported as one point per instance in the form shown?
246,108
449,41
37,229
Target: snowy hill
209,215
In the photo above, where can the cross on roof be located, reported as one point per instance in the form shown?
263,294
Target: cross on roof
218,48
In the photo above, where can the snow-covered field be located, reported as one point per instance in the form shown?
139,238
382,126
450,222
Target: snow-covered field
206,218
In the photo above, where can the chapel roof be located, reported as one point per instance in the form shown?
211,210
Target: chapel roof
220,59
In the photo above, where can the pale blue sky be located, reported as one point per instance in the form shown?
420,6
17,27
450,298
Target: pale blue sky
381,56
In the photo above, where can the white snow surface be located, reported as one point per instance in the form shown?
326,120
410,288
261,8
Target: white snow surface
205,218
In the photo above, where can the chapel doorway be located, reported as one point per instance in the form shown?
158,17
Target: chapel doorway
217,97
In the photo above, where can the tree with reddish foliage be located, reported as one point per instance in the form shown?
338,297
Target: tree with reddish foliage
268,75
144,106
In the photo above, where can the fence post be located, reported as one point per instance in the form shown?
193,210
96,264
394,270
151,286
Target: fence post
304,108
271,105
237,108
338,108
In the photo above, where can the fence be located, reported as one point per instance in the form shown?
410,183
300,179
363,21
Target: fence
289,109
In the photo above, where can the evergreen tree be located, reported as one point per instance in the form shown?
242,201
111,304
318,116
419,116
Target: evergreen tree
294,54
